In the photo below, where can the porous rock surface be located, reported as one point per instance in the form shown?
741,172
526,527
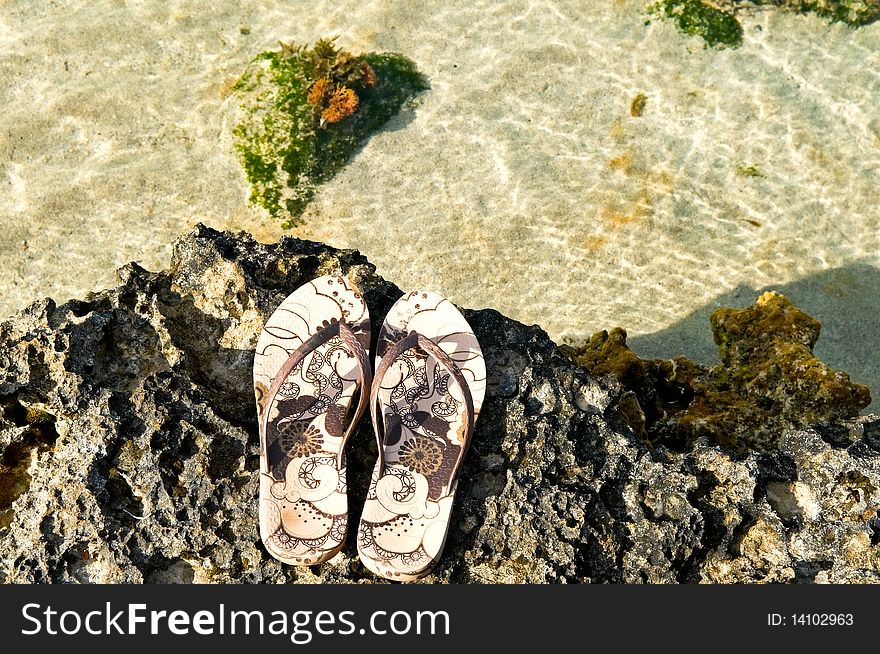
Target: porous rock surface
130,452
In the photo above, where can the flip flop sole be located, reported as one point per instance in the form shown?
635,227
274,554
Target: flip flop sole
303,500
405,520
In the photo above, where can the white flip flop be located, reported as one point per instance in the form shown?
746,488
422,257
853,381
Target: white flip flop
429,385
311,361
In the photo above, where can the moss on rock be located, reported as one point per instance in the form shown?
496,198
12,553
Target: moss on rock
851,12
307,111
718,28
717,23
768,380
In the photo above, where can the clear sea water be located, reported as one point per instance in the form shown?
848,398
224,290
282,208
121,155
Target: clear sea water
521,181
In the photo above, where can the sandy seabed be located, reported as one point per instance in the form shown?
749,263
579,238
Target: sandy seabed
521,181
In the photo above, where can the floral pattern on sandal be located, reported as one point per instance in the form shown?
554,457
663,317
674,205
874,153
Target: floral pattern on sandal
429,387
309,366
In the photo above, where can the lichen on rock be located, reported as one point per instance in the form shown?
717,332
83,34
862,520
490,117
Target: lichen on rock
306,111
768,380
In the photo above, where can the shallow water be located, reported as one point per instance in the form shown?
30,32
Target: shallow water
520,182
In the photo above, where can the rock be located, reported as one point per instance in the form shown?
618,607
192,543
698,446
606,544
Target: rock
768,381
306,111
130,452
716,21
717,26
852,12
767,352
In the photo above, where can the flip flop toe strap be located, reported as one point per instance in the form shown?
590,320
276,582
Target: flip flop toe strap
411,340
312,343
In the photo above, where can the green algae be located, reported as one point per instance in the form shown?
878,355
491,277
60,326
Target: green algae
717,27
768,380
744,170
638,104
852,12
285,145
717,24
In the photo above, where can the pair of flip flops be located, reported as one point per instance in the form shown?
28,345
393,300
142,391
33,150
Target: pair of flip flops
313,380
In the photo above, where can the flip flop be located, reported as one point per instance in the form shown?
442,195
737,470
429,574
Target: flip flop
429,385
310,362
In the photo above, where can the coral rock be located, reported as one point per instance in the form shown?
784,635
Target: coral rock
130,451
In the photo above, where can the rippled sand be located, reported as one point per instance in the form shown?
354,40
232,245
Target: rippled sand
521,181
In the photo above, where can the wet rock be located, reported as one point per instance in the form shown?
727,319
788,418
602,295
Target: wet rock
305,111
718,21
130,450
852,12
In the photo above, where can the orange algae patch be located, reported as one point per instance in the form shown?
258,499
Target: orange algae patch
343,103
